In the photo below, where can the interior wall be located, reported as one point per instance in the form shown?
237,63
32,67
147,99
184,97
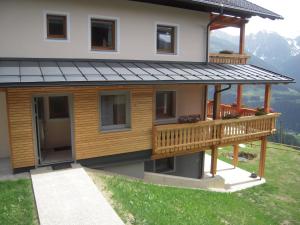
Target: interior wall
57,131
4,135
190,100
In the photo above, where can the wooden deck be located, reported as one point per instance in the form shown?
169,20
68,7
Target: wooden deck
228,58
177,139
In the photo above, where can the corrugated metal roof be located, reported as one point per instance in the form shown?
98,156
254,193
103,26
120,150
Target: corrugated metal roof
32,72
231,7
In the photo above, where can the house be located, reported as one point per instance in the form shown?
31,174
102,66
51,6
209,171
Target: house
122,85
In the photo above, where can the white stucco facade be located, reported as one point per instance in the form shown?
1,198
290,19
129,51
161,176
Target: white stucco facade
23,29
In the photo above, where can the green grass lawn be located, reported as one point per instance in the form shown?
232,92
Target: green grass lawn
16,203
276,202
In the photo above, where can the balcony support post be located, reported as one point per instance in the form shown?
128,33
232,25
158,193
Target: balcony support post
239,97
267,102
262,159
214,159
217,102
242,38
235,155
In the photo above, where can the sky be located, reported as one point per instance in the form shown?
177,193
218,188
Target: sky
289,27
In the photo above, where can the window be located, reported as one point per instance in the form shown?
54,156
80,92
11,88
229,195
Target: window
115,110
165,39
56,27
103,34
58,107
165,165
165,104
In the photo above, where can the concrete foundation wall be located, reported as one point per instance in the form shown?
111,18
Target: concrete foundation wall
185,166
4,137
132,169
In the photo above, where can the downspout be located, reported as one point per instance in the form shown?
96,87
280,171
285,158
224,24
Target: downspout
215,100
207,31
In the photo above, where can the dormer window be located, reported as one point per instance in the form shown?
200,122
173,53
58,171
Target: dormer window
103,34
165,39
56,26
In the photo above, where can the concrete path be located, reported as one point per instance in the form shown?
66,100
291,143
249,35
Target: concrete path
236,179
69,197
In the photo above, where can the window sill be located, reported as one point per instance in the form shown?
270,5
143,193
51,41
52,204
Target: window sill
167,53
166,121
115,130
99,50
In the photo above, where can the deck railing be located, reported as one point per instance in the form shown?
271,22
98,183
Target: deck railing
228,58
226,109
176,139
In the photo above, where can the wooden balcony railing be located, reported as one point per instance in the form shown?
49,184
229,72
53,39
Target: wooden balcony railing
176,139
228,58
229,109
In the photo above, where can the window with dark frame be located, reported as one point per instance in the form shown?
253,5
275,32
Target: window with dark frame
165,104
103,34
58,107
56,26
115,111
165,39
165,165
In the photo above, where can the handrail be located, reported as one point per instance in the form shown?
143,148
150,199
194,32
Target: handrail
226,109
174,139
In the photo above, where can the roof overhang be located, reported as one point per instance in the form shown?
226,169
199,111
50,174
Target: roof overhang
84,72
246,10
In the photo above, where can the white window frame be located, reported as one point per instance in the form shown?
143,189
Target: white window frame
68,24
117,34
176,36
167,120
120,127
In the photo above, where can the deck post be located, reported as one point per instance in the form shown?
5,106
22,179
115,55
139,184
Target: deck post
242,38
235,155
217,103
239,97
267,102
262,159
214,158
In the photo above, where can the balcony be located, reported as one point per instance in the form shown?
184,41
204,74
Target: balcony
177,139
226,109
228,58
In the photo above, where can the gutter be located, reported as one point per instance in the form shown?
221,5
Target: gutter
207,31
215,100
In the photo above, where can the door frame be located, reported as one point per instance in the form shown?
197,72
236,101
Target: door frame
71,115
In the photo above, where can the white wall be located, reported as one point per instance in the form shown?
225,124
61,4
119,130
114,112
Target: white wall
22,27
4,137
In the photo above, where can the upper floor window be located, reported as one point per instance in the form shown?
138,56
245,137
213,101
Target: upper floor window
165,104
115,110
165,39
103,34
56,26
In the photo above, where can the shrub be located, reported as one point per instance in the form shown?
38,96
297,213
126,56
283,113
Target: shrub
189,119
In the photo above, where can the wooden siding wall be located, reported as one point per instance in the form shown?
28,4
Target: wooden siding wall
89,140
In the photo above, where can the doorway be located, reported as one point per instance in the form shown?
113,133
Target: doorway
53,129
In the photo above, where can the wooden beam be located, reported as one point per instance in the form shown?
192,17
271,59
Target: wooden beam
214,158
217,102
267,102
262,159
2,89
235,155
239,97
242,39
